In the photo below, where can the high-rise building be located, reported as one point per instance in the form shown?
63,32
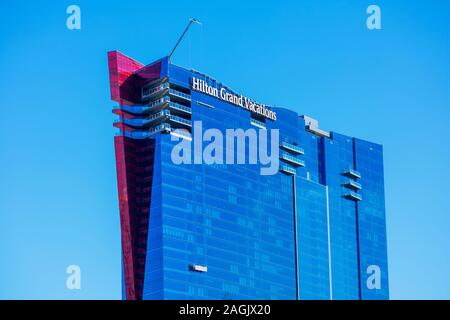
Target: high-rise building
315,229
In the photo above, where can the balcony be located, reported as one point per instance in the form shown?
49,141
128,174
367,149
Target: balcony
150,92
350,184
180,107
288,170
136,134
292,160
351,173
182,134
162,89
136,109
164,127
164,102
353,196
158,103
158,115
180,94
257,123
180,120
292,148
139,122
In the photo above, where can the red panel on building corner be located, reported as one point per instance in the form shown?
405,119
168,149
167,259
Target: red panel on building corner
125,223
134,165
121,68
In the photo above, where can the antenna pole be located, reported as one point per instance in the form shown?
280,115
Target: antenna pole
191,20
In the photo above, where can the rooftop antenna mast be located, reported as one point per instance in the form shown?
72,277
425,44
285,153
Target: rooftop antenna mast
191,21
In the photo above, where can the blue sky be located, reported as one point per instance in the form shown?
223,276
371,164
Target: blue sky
58,196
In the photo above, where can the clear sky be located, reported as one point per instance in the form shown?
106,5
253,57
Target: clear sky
58,194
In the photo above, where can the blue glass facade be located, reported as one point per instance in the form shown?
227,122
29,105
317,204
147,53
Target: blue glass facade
224,231
312,239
